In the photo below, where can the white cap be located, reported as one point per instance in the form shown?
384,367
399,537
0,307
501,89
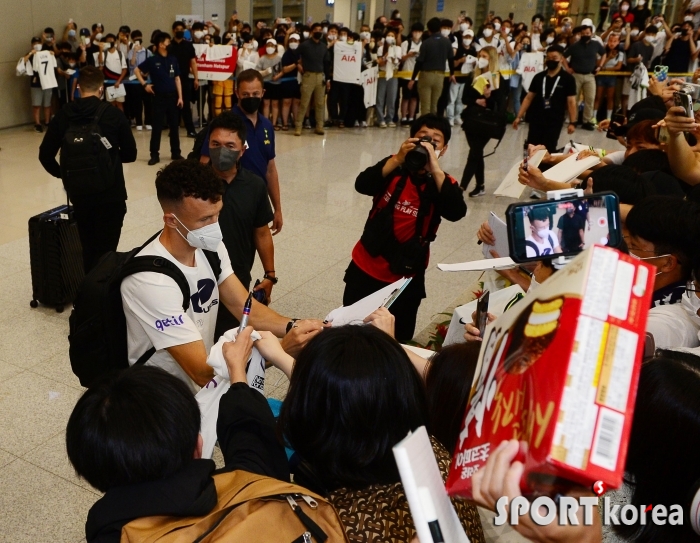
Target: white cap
588,22
271,40
294,36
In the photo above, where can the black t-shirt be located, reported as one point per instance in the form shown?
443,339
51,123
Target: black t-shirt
291,56
566,86
678,56
571,226
641,48
184,53
641,16
246,207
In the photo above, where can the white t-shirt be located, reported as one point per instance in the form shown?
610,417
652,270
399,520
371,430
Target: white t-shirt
543,249
114,61
44,64
410,63
529,65
672,328
153,308
393,58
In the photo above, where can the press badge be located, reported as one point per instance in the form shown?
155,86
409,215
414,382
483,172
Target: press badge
105,142
547,103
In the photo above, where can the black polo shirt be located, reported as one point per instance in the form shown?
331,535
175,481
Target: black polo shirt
163,71
246,207
584,56
184,53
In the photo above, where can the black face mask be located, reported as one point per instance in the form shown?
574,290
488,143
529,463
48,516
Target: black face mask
180,34
245,35
251,104
280,38
317,35
585,39
552,64
684,32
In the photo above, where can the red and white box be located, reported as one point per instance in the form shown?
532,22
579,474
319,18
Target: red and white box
558,371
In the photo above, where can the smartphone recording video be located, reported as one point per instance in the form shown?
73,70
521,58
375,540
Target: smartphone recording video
565,227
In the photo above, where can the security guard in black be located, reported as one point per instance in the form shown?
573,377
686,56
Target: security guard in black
164,71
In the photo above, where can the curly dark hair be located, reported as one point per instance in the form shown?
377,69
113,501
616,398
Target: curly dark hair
188,178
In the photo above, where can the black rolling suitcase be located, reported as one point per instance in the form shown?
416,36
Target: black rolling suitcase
56,257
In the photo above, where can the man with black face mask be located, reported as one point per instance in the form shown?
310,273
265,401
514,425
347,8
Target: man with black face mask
314,65
183,51
552,92
259,157
246,212
680,49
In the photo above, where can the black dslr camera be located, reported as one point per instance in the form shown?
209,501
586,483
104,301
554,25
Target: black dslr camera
417,158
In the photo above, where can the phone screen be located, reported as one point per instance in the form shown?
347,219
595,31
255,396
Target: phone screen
564,227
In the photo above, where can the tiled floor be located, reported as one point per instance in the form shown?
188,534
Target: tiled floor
41,499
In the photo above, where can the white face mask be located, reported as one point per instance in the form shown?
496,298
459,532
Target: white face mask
641,3
343,38
445,32
248,46
271,50
483,62
306,34
543,233
634,32
550,39
98,36
390,40
659,25
208,237
464,27
487,32
37,47
293,45
649,39
691,303
506,30
331,37
624,8
496,26
199,34
365,35
467,42
417,36
398,16
688,18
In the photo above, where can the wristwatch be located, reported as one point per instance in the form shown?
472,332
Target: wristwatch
290,325
273,280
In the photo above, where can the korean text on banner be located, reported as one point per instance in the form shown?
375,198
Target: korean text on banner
369,85
347,62
215,63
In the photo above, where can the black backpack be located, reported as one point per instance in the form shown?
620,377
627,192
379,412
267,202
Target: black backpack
86,163
98,336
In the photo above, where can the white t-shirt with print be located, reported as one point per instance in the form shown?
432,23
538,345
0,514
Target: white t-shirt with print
153,308
114,61
44,64
544,248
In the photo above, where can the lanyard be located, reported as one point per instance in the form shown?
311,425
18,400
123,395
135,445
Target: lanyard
544,83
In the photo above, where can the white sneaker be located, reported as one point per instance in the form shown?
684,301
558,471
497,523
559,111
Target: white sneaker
391,124
382,125
149,127
364,124
139,128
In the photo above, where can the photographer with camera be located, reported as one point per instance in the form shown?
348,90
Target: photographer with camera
411,196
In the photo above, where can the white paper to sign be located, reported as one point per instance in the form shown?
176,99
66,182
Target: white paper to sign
419,470
570,168
500,232
357,312
502,263
510,186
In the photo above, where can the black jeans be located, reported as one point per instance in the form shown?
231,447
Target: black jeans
186,111
99,228
358,284
545,132
475,161
165,104
139,102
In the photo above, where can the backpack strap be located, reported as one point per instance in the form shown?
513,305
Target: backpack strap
532,246
214,262
104,106
551,241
